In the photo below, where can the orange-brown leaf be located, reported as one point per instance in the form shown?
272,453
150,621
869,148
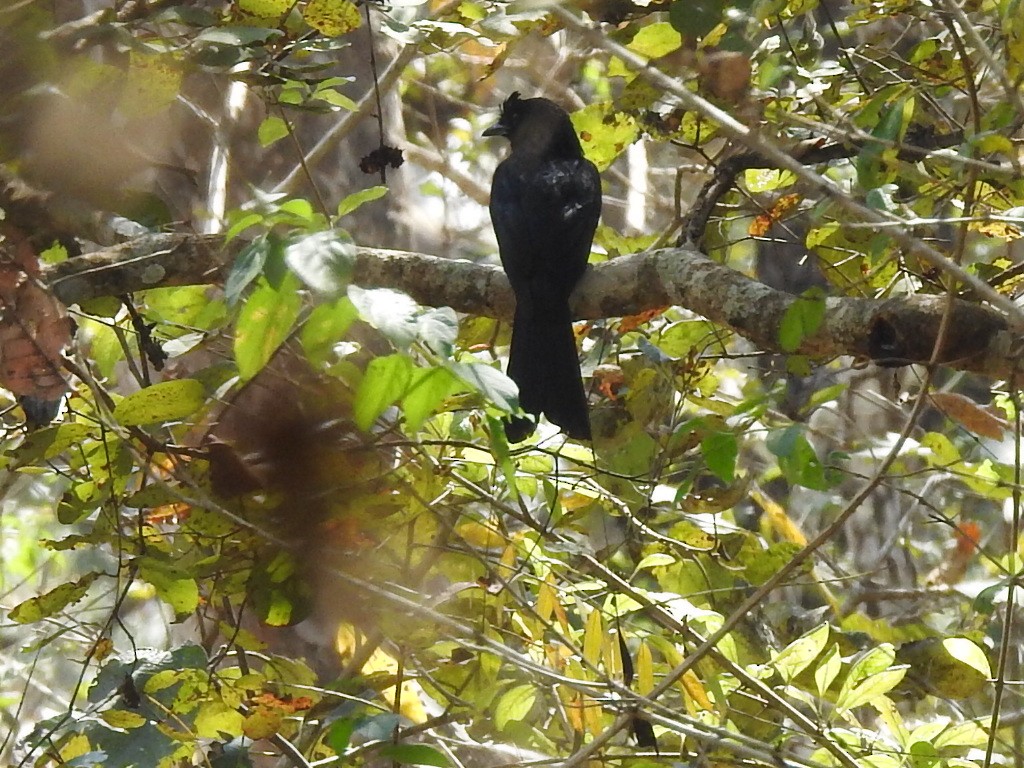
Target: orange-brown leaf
632,322
761,224
969,415
34,332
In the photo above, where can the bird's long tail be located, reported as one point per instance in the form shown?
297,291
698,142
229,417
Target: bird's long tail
544,363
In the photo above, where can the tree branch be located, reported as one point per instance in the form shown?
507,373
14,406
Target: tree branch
892,332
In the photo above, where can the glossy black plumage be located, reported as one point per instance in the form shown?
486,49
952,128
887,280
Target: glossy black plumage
545,203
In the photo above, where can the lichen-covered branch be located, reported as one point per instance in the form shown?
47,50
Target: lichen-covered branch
894,331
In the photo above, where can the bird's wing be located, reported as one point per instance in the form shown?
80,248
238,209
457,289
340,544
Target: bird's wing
544,216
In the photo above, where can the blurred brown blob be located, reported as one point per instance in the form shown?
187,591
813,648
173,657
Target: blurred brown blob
285,454
725,75
289,432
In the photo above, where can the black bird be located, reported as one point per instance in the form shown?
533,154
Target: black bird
545,202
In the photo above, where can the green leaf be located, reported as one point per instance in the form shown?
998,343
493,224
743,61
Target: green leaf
985,601
968,652
391,312
166,401
299,209
215,718
57,599
802,318
502,456
962,735
271,129
280,597
720,450
357,199
514,705
798,655
828,669
247,267
941,451
890,128
237,36
55,254
414,754
264,323
323,260
871,688
760,565
173,584
604,132
695,18
438,328
239,222
121,718
340,734
335,99
489,382
325,327
428,388
871,662
593,638
758,180
385,381
49,442
655,40
797,459
923,755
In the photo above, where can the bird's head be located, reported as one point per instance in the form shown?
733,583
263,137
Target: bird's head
536,126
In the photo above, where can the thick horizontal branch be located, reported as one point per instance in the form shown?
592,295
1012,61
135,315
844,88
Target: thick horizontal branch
893,332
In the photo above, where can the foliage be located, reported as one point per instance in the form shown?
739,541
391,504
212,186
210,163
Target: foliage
691,586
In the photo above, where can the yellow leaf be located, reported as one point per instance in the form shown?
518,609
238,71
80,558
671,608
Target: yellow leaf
508,558
546,599
644,670
591,716
482,535
695,690
593,638
122,718
265,8
780,522
262,722
152,84
611,652
332,17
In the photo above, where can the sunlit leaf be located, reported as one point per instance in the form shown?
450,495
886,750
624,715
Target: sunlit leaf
357,199
322,259
165,401
264,323
52,602
386,380
871,688
514,705
593,638
828,669
798,655
271,129
801,319
332,17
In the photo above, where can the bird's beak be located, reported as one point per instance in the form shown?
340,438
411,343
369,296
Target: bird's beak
498,129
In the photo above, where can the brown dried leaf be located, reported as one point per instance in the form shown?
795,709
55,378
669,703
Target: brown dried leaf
34,330
969,415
